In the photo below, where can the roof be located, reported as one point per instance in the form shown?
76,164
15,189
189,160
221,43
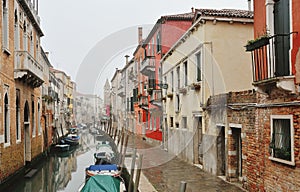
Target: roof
182,16
224,13
212,14
177,17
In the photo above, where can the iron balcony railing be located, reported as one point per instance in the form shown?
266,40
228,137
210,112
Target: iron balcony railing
270,57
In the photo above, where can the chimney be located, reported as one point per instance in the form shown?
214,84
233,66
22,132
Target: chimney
249,5
126,59
47,54
140,35
192,9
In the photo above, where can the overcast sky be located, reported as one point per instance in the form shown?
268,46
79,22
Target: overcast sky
78,30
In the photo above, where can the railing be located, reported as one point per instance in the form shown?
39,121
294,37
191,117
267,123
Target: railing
148,66
270,57
25,61
156,95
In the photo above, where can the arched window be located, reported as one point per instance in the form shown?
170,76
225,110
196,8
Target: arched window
18,127
26,113
25,43
5,24
6,120
17,36
39,119
33,118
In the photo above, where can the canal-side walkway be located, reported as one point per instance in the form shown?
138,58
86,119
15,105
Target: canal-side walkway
164,172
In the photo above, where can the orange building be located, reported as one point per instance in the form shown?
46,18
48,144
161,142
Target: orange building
148,109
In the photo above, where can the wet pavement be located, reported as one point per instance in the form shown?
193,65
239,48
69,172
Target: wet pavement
165,171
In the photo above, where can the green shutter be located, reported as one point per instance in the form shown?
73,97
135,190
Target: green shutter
282,39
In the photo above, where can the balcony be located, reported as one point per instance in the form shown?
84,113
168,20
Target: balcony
148,66
156,97
121,91
32,13
143,102
271,63
28,69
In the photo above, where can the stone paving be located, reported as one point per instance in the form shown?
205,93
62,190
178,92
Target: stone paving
165,171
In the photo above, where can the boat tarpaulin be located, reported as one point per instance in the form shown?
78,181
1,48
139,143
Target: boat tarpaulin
102,183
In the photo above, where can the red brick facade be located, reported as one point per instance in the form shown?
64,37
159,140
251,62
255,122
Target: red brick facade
253,112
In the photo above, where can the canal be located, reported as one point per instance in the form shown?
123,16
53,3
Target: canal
59,171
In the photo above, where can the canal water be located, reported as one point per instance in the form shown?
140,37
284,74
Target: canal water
60,171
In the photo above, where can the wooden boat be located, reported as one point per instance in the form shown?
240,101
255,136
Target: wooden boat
104,154
104,177
103,183
62,147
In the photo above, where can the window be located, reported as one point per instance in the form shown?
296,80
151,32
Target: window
178,77
185,69
152,47
18,127
33,117
177,104
184,122
17,35
171,122
39,119
198,65
25,37
6,120
158,43
172,81
31,43
282,142
5,22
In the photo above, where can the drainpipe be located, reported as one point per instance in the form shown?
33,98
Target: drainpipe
249,5
126,101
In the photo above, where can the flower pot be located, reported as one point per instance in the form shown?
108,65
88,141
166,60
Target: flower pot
257,44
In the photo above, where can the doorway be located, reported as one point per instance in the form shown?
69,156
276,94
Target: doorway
236,134
221,151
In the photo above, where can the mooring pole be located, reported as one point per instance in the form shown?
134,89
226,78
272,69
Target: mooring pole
182,186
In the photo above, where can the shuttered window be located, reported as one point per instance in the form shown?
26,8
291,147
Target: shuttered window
282,37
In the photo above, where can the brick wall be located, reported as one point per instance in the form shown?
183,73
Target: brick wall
241,111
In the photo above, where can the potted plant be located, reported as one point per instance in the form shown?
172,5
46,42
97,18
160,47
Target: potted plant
47,98
258,42
170,95
150,90
182,90
196,85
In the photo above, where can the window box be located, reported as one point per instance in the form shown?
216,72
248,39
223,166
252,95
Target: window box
196,86
182,90
170,95
257,43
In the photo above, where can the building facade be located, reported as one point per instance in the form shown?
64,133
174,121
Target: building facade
198,66
21,77
155,45
273,144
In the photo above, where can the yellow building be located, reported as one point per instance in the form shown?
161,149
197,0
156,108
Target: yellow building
208,60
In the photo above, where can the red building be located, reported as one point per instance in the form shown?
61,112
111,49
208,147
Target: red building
273,157
148,110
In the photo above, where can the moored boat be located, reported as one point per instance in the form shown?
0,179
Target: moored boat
71,139
62,147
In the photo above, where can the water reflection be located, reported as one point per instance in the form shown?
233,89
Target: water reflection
64,171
